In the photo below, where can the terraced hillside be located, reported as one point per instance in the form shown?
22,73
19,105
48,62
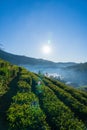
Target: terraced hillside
33,102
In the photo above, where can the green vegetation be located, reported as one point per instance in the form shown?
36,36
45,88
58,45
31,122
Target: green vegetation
76,106
25,113
29,101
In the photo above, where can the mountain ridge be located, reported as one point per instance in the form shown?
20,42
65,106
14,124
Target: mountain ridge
72,73
21,59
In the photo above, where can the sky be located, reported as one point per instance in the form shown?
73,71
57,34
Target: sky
27,25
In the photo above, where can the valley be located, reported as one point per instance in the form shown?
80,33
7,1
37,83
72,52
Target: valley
71,73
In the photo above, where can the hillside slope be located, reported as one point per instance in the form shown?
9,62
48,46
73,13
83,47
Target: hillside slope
82,67
33,102
18,59
72,73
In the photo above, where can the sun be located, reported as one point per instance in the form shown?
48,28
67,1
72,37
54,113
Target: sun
46,49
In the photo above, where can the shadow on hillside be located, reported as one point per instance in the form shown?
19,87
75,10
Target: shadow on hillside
5,102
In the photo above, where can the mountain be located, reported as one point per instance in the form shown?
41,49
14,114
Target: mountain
30,101
18,60
82,67
78,73
72,73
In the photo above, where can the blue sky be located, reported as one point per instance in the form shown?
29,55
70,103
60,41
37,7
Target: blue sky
26,25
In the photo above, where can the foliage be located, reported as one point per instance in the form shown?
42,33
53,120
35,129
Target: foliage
30,101
23,115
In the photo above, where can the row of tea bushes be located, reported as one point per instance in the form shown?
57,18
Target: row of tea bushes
59,116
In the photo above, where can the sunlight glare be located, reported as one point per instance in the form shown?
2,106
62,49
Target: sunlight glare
46,49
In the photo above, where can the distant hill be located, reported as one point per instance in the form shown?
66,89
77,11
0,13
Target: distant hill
72,73
30,101
17,59
79,67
